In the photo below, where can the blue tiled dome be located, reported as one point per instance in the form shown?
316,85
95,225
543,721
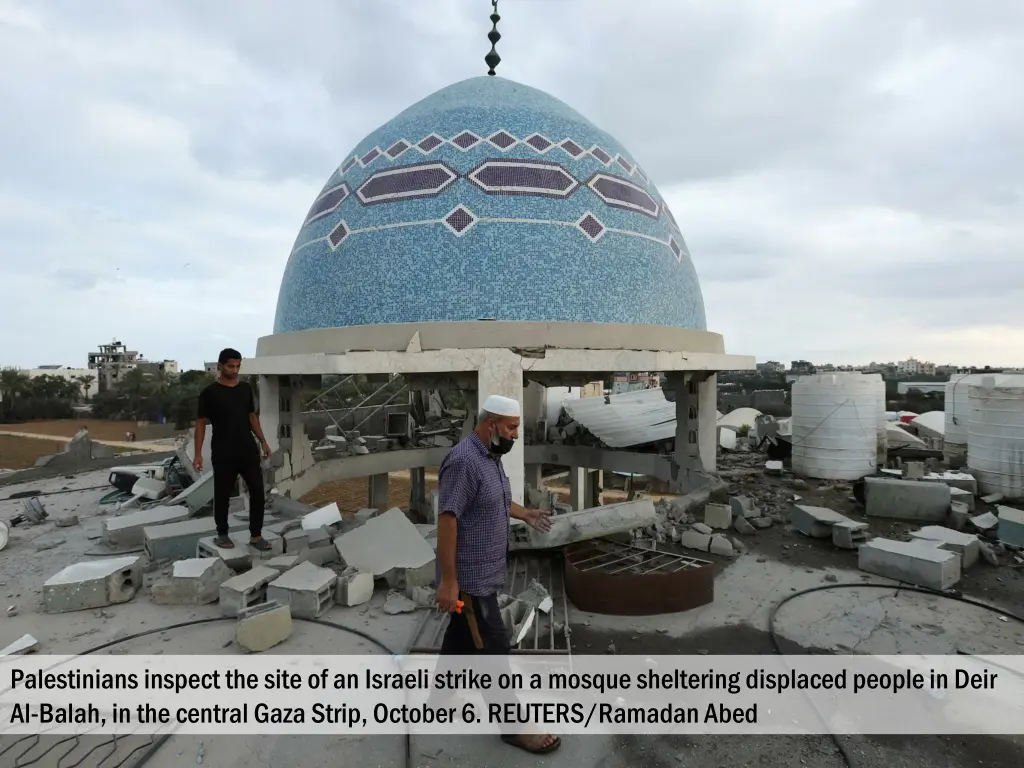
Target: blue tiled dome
489,200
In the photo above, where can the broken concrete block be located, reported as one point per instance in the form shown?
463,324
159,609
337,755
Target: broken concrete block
354,587
537,595
1011,526
849,534
718,516
964,497
930,567
195,581
307,590
93,584
985,522
743,506
262,626
242,554
815,522
322,518
318,537
320,556
245,589
177,540
958,515
703,528
964,544
424,597
295,541
518,617
906,499
695,540
720,545
988,554
992,498
961,480
761,522
913,470
365,514
283,563
773,468
742,525
24,644
196,496
397,603
383,543
66,521
127,530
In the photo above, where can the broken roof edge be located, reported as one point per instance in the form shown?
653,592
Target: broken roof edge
401,337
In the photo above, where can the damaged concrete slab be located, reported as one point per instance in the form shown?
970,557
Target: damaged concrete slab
93,584
586,524
815,522
1011,526
912,562
354,587
242,554
307,590
128,530
24,644
907,499
384,543
195,581
171,541
964,544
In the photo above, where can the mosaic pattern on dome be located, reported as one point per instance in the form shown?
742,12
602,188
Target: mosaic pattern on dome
489,181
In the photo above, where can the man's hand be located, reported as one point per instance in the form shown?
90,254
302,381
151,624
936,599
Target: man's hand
447,596
265,446
198,462
538,519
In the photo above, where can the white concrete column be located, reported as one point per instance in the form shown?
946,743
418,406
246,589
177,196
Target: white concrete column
707,422
301,451
578,488
270,409
533,408
502,374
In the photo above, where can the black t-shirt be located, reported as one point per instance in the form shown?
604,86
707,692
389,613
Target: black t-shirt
227,410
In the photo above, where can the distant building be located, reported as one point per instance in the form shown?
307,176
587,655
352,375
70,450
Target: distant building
112,361
630,382
211,368
67,373
771,367
913,367
801,368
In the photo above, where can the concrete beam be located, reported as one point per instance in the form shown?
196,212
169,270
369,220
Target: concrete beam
587,524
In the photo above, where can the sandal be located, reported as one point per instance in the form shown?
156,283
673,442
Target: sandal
261,544
224,542
516,741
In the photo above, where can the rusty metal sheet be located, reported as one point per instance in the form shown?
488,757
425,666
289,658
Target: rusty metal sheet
603,576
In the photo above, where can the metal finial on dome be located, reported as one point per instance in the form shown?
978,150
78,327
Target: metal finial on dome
492,59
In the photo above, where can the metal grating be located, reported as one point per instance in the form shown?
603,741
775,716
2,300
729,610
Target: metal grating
550,632
609,557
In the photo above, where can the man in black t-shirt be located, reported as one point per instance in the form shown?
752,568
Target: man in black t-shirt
229,407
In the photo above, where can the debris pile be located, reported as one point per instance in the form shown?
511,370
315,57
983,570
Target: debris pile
79,451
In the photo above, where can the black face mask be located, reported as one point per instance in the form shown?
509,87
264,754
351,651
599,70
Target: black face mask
501,445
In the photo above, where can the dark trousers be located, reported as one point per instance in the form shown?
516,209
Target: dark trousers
225,475
480,630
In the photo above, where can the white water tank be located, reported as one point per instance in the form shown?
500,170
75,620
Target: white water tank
957,407
995,435
835,426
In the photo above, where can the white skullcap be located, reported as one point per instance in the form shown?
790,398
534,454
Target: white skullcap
502,406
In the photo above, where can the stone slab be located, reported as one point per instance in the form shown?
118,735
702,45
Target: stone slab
128,530
961,480
912,500
179,540
245,589
242,555
93,584
924,566
383,543
321,518
1011,526
815,522
964,497
260,627
283,563
307,590
964,544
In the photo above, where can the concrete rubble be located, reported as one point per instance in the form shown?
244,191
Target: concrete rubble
964,544
24,644
245,589
262,626
907,499
93,584
594,523
389,545
912,562
307,590
195,581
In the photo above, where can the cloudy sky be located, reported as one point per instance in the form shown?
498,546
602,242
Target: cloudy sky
849,174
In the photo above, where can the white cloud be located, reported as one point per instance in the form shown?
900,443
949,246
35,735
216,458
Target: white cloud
847,174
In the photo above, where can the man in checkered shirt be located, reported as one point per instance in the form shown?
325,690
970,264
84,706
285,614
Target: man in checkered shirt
475,505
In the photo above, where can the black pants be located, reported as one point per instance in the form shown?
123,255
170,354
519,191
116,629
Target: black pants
225,475
480,630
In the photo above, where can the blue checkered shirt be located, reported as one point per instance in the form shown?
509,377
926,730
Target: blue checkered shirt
473,486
